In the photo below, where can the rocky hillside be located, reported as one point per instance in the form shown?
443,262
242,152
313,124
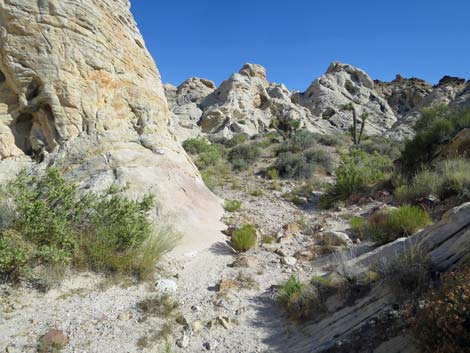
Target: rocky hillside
248,103
79,90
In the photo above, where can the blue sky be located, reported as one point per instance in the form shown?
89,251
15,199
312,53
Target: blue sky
297,39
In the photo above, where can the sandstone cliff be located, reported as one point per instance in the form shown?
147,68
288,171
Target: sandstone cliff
79,90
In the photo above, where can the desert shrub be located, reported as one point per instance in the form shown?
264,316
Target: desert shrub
232,205
320,158
301,301
357,172
158,305
244,238
210,157
196,145
440,322
436,126
242,156
293,165
299,142
272,173
387,225
408,274
382,146
333,140
256,192
15,255
357,225
445,178
54,224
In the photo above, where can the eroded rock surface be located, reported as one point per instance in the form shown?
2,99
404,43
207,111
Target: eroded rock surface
78,89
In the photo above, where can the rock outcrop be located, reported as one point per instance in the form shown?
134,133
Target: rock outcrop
370,325
79,90
403,94
343,84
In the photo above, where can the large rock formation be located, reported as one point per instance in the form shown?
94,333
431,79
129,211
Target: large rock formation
79,90
403,94
343,84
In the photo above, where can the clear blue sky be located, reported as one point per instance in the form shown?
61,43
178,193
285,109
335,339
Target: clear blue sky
297,39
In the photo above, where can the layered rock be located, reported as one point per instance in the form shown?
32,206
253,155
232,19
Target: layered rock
369,324
78,89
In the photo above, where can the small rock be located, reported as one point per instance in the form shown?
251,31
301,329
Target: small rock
166,286
183,342
245,262
53,339
288,261
181,319
271,247
196,326
336,239
125,316
224,321
281,252
208,346
11,349
286,239
292,228
225,284
240,311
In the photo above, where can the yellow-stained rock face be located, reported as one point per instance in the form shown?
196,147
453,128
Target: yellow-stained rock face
79,90
70,67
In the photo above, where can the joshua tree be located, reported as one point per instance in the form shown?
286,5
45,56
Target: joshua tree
364,117
350,107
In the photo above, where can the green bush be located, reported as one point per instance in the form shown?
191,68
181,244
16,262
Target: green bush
301,301
444,179
299,142
357,172
333,140
436,126
232,205
387,225
242,156
320,158
408,274
244,238
382,146
210,157
196,145
439,322
293,165
56,225
357,225
272,173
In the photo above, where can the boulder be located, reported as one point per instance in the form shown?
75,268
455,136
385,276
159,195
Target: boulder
91,103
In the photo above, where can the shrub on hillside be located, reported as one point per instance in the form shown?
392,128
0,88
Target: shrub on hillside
300,300
445,178
232,205
387,225
382,146
298,142
54,224
244,238
242,156
440,322
293,165
320,159
408,274
436,126
357,172
196,145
